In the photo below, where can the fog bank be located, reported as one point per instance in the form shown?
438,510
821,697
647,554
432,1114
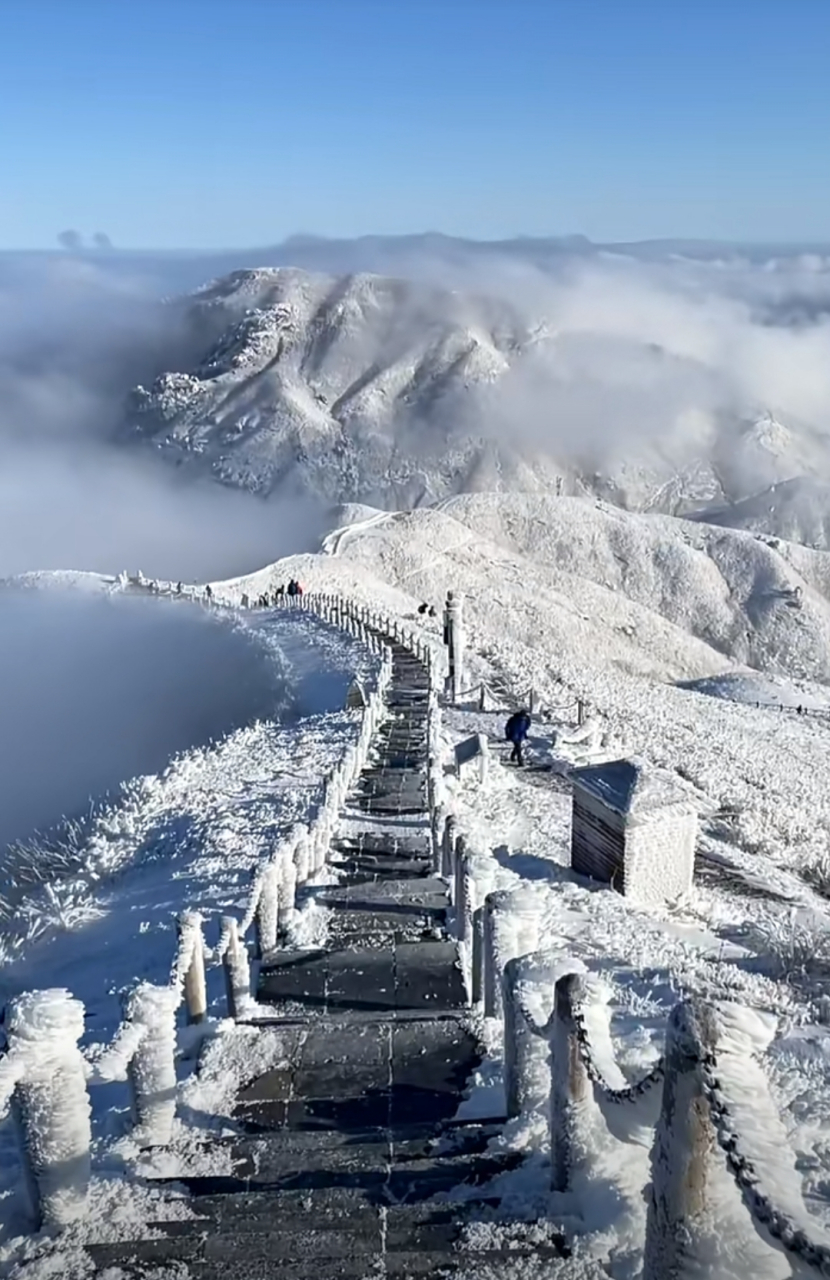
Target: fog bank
98,689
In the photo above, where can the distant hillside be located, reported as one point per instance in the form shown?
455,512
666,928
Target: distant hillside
795,510
654,595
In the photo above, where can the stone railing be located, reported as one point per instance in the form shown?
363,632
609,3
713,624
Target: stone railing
45,1073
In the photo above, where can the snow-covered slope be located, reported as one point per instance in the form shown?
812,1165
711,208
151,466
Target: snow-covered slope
796,510
373,390
679,594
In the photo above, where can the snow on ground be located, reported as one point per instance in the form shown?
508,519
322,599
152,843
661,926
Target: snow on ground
765,691
529,622
186,838
714,946
672,609
620,611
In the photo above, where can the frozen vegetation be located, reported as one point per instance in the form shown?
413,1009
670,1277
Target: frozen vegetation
691,646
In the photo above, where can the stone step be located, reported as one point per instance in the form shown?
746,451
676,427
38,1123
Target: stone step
388,1075
132,1263
411,975
377,1173
371,869
262,1246
383,842
494,1264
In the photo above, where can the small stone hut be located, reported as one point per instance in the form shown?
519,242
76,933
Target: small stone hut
634,828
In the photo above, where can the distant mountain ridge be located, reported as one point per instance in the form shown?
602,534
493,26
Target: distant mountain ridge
377,390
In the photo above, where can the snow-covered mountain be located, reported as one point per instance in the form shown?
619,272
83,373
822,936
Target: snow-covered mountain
369,389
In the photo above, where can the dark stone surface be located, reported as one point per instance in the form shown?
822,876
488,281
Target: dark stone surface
343,1146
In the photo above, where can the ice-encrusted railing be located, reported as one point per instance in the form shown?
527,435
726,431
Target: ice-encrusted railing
45,1074
691,1104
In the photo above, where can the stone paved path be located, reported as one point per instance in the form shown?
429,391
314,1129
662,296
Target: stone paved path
349,1151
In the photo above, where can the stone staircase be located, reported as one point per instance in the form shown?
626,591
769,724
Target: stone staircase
349,1161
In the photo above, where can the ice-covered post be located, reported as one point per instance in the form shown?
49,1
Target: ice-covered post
494,905
477,957
431,787
152,1069
524,1044
191,951
46,1072
454,640
266,919
459,875
236,968
684,1143
287,889
464,900
571,1095
448,848
438,820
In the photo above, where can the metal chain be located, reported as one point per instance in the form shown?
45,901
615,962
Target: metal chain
782,1228
792,1239
633,1091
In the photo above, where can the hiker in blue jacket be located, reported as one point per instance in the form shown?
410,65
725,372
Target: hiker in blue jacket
516,731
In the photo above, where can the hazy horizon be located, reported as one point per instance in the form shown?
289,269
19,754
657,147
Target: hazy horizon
220,125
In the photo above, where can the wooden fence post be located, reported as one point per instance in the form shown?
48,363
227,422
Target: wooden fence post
477,975
448,848
684,1144
237,970
195,988
464,897
438,820
571,1092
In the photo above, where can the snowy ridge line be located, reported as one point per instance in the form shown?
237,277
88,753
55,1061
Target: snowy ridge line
44,1070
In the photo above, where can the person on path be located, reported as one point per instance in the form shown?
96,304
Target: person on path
516,731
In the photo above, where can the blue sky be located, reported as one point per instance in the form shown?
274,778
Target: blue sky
225,123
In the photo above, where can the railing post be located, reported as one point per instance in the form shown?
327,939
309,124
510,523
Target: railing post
684,1143
237,970
286,897
189,926
152,1069
477,966
524,1045
438,820
571,1094
454,640
50,1104
492,979
266,919
458,874
448,848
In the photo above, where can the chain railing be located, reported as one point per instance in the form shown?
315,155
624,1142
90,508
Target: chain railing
45,1073
559,1049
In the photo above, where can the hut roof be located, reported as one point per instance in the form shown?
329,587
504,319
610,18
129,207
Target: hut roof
630,787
